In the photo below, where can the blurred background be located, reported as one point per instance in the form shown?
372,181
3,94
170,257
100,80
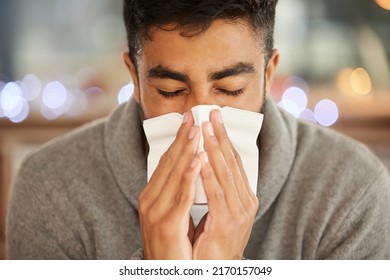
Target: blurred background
61,66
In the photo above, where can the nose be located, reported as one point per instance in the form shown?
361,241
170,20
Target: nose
199,97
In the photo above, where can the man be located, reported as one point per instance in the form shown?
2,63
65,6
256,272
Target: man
85,196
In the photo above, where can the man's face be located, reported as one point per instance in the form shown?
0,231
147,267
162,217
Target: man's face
224,65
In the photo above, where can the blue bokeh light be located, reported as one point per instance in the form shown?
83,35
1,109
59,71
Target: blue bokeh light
54,95
326,112
125,93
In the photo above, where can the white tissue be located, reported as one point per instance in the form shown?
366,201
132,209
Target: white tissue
242,127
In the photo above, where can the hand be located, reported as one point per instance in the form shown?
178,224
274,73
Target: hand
224,232
165,203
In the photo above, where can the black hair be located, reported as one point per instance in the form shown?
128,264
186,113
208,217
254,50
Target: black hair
195,16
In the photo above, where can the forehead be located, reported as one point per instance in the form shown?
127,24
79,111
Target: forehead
223,41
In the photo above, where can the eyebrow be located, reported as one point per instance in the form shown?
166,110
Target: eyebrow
164,72
234,70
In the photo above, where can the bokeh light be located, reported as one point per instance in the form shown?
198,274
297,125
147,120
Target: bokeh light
294,100
354,81
385,4
69,97
361,81
33,87
11,100
54,95
125,93
326,112
94,91
22,114
10,96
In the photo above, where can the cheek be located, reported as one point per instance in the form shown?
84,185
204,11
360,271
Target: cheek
252,99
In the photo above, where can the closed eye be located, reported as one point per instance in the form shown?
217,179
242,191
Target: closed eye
230,92
182,91
171,93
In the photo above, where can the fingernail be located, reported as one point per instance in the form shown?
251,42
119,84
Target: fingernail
185,117
192,133
210,129
195,162
219,115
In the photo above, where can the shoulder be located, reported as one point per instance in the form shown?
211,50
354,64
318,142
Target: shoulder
325,151
343,190
333,173
84,144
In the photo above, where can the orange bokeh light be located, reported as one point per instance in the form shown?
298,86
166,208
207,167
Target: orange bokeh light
354,82
360,81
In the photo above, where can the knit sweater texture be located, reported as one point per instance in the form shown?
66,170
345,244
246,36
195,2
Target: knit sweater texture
321,194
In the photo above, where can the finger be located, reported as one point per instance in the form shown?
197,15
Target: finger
186,195
223,173
253,201
168,159
215,194
231,156
174,183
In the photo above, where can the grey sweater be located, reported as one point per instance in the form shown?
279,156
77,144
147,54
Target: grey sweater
322,196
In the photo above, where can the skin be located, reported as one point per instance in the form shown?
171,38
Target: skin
223,65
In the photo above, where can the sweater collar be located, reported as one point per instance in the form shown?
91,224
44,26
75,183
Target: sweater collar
277,142
124,148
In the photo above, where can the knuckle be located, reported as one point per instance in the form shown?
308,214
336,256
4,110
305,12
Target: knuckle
187,177
228,174
142,202
142,209
237,156
184,197
207,172
188,149
173,175
144,212
219,195
167,158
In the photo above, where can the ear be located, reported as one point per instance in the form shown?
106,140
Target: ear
270,70
133,72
